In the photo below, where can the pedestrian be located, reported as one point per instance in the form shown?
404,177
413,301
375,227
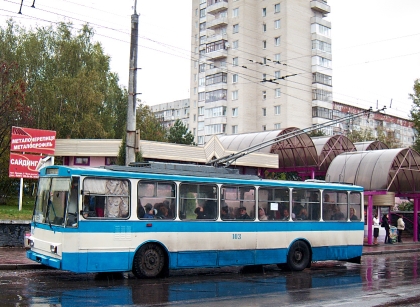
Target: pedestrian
400,227
375,229
385,224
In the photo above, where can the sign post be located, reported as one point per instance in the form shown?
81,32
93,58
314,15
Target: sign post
22,165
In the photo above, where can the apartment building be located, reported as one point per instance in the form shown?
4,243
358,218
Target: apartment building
259,65
169,112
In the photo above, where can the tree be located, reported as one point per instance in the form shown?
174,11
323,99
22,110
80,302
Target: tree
179,134
70,88
316,133
386,136
415,112
149,126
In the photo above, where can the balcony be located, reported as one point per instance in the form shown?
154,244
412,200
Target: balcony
215,70
216,6
320,6
217,23
216,37
216,55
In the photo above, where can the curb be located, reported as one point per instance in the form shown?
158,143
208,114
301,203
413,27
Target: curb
399,251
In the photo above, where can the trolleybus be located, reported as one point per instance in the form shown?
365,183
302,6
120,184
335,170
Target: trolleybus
154,217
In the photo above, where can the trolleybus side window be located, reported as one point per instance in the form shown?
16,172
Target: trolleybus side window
158,195
306,204
273,201
334,207
106,198
355,206
198,201
240,201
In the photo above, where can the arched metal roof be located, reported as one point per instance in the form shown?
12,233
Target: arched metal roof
237,142
394,170
328,147
370,145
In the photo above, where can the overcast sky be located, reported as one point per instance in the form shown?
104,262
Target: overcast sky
376,45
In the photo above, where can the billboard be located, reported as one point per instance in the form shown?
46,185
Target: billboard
32,140
23,165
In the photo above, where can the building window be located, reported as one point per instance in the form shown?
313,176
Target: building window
264,12
200,140
323,95
264,95
264,27
110,160
322,46
201,96
277,92
264,77
200,111
235,12
203,26
321,78
320,29
277,74
215,112
216,78
234,78
216,95
277,8
200,126
277,110
235,44
277,24
202,81
264,43
234,129
234,112
218,45
264,127
235,61
215,129
277,58
235,95
203,39
277,126
322,112
202,68
203,13
324,62
81,161
264,60
277,41
235,28
264,112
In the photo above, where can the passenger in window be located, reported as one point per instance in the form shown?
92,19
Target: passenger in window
286,215
209,209
148,209
353,216
100,206
243,215
87,206
261,214
200,213
337,214
140,210
163,213
224,213
303,214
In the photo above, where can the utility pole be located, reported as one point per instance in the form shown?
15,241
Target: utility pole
130,151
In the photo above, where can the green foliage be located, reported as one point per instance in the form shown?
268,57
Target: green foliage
9,208
122,153
70,88
383,135
179,134
406,206
316,133
415,112
149,126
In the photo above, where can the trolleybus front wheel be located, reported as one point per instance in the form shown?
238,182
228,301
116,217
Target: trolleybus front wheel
149,261
299,256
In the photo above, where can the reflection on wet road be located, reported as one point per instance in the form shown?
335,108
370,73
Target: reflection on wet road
380,280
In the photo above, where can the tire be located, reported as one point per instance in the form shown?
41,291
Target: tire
149,261
299,256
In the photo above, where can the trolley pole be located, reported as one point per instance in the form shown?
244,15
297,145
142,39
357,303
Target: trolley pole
130,155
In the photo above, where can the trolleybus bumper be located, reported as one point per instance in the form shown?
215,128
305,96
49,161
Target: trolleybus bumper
45,260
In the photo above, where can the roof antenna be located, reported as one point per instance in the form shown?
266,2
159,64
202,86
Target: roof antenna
377,104
390,104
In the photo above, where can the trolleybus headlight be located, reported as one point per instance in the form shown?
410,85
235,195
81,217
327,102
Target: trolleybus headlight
30,243
53,249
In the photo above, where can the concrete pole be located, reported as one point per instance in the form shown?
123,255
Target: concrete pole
130,154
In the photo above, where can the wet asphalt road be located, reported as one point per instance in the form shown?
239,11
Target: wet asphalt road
381,280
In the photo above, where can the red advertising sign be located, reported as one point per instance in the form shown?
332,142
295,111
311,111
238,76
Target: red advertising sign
23,165
33,140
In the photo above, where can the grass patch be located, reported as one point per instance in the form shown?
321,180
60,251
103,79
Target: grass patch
9,208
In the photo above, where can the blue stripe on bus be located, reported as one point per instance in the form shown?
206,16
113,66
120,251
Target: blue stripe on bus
203,226
88,261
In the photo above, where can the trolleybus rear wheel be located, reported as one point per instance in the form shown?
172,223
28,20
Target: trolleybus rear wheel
299,256
149,261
